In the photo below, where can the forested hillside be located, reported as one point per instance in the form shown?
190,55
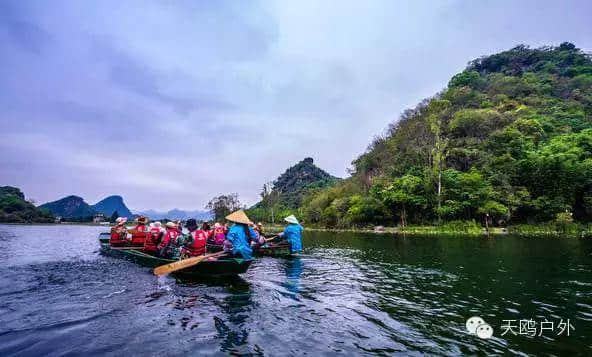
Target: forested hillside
70,207
286,192
510,136
15,209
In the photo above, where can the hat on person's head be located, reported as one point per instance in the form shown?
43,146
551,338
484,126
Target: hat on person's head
291,219
217,225
142,219
171,225
191,224
121,220
157,224
239,217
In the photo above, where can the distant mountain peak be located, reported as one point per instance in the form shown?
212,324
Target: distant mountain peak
111,204
69,207
298,179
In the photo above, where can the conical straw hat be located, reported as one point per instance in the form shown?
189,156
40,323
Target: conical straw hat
239,217
291,219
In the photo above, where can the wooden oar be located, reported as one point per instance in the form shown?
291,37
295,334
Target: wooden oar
184,263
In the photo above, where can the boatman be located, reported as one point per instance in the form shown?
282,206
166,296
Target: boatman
293,234
240,234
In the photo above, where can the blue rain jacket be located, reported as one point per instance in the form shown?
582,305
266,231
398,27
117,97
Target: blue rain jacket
293,234
240,241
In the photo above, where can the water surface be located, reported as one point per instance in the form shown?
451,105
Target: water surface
348,293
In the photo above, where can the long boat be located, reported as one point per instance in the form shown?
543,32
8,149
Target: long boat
221,267
274,250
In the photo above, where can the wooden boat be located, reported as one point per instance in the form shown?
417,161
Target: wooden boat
274,250
220,267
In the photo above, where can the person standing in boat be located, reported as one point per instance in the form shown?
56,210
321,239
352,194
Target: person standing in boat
240,234
167,248
119,233
195,243
154,238
293,234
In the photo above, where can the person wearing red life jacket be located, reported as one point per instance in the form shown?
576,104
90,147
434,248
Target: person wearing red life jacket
154,238
216,238
166,247
119,233
140,231
195,245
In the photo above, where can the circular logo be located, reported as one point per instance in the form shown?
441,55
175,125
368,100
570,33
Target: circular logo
473,322
484,331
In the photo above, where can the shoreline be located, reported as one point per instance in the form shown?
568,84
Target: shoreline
518,230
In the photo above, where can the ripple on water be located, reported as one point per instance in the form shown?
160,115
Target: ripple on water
348,294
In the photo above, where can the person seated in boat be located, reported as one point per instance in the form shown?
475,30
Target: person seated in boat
167,246
259,239
240,234
154,238
195,243
140,231
216,238
179,226
293,234
119,233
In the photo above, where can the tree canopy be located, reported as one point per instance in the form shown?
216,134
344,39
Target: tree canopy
510,136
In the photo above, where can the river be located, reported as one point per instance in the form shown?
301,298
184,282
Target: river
349,293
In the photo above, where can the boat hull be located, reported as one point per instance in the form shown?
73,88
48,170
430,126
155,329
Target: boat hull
220,267
278,250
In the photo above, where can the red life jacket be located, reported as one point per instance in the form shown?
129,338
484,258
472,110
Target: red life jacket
150,243
118,236
169,238
139,236
198,245
219,235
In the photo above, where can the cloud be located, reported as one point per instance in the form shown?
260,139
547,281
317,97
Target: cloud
171,103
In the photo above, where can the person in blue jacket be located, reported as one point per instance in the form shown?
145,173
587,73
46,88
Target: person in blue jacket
293,234
240,234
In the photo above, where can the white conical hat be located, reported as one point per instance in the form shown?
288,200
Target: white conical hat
239,217
291,219
171,225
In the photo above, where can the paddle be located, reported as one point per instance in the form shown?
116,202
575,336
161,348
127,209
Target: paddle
126,248
183,263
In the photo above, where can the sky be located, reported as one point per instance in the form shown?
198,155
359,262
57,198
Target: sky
170,103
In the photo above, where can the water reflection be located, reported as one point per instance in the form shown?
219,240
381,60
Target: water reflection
348,293
293,269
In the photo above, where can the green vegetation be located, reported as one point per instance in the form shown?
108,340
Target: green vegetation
510,137
221,206
72,208
283,197
15,209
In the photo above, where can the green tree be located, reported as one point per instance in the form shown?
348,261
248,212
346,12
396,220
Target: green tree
436,110
221,206
404,193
